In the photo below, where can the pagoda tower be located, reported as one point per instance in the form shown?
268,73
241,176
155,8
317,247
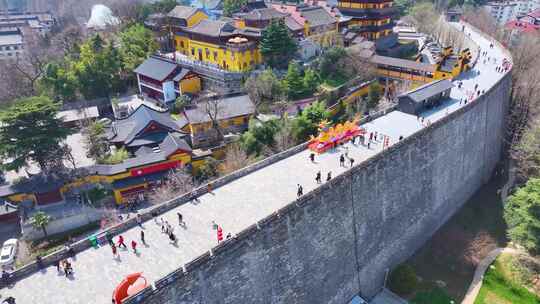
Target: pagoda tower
372,19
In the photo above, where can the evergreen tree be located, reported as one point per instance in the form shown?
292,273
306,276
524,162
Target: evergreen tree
311,81
30,131
522,215
97,43
277,46
294,82
136,44
60,83
232,6
98,72
96,142
374,94
306,124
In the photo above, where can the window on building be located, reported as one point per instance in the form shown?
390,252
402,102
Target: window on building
215,55
192,52
207,53
182,44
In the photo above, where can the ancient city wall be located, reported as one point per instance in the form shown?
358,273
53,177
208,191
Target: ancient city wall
340,239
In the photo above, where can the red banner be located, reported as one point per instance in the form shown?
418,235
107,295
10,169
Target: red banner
154,168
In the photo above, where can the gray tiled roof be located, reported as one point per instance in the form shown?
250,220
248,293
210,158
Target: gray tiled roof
126,130
145,156
317,15
430,89
229,107
264,14
292,25
403,63
213,28
182,12
181,75
12,39
156,68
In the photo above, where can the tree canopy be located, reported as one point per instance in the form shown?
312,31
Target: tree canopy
277,46
232,6
30,131
136,44
522,215
98,69
306,123
293,81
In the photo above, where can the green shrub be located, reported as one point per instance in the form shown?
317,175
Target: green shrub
117,157
403,280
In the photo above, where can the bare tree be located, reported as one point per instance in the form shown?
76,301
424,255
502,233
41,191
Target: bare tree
283,138
126,10
263,88
235,159
176,183
68,39
12,85
213,108
360,64
31,64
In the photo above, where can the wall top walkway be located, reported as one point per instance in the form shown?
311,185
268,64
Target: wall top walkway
240,203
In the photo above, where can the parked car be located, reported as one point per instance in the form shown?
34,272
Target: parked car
8,252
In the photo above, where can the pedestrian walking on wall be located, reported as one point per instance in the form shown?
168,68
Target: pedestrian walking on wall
351,161
312,157
172,238
300,191
142,237
342,160
57,264
368,144
134,246
180,219
139,220
113,248
346,151
370,136
121,242
329,176
318,177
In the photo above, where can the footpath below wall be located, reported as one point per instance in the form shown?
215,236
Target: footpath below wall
341,239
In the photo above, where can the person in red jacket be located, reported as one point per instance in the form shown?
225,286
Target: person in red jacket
134,246
121,242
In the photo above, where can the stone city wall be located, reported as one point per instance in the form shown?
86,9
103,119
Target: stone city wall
341,239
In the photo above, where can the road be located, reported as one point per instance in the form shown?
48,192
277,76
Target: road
234,206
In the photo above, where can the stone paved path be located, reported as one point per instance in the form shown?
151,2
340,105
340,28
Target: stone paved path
234,206
476,283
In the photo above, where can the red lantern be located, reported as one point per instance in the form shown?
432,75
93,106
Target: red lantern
219,234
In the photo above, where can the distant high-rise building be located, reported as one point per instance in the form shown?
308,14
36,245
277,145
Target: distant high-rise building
505,11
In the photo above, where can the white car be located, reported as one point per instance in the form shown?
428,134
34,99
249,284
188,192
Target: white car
7,254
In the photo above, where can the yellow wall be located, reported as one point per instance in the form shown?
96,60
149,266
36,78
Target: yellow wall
118,196
224,123
190,85
364,5
17,198
196,18
234,60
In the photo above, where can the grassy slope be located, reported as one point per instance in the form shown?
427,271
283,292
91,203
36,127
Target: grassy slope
454,251
499,288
